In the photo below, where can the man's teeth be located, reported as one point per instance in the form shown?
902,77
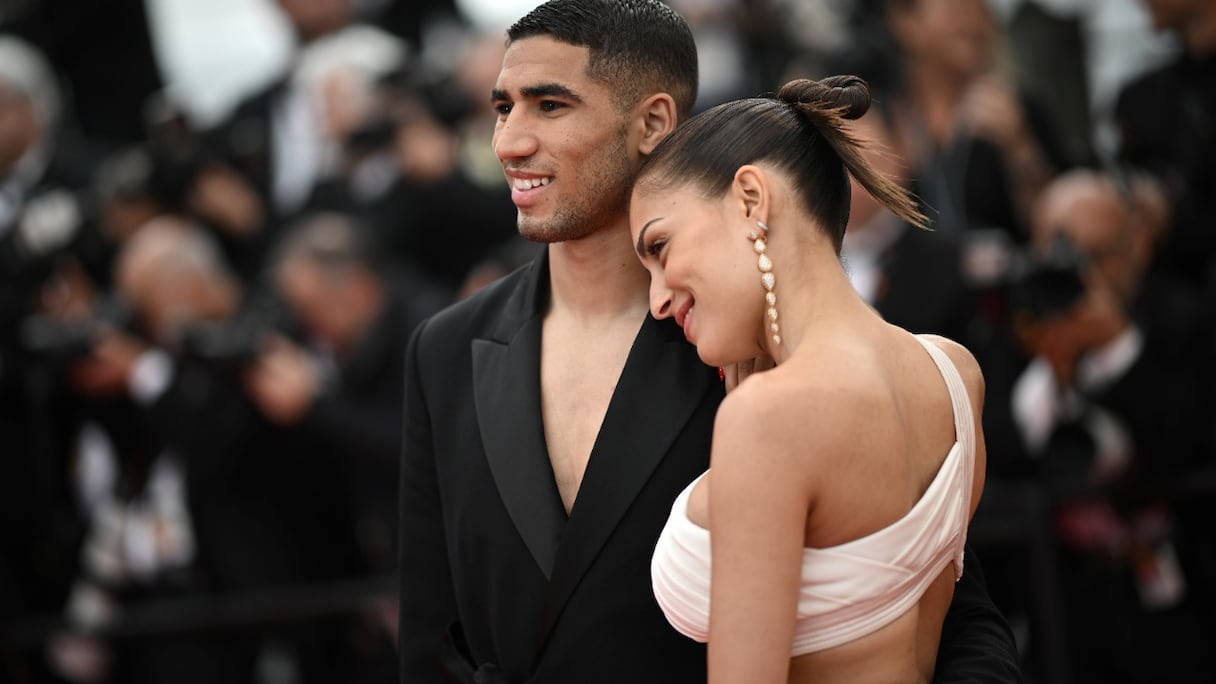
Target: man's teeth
529,183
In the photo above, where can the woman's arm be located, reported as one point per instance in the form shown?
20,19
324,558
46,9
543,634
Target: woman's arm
758,506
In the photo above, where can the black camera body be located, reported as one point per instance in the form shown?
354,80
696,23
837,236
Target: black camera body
61,341
231,345
1048,284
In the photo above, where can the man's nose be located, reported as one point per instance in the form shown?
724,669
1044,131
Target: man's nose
514,139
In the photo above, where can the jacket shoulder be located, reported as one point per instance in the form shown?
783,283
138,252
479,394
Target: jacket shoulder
476,316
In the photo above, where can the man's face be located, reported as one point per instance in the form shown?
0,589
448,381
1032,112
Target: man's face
951,34
563,143
18,128
328,305
1094,221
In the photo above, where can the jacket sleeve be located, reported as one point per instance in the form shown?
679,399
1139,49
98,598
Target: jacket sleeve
427,606
976,643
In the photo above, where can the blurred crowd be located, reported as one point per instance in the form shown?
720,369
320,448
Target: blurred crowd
202,323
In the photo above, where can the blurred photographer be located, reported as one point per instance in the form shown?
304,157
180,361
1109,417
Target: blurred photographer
342,385
40,219
285,143
1110,408
226,501
1165,127
1098,331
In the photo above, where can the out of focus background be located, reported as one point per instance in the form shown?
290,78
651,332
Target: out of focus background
220,221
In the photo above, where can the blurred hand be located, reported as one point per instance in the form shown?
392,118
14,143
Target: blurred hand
738,372
1095,320
223,197
1091,526
991,109
1100,318
426,150
283,382
107,370
345,103
68,294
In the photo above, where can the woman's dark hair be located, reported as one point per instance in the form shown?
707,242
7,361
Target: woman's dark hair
636,46
802,132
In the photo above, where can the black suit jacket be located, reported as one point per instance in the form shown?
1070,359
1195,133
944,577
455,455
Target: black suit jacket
494,577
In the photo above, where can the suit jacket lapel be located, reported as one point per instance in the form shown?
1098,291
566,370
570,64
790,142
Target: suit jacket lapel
506,379
660,387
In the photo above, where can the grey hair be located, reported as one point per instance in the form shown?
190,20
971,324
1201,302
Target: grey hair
175,248
24,70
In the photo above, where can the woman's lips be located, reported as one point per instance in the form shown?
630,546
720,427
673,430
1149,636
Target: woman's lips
684,319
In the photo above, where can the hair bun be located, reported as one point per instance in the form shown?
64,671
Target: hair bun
846,96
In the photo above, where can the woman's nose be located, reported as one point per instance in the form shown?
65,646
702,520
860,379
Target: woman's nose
660,299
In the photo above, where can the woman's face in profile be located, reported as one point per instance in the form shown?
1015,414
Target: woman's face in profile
702,269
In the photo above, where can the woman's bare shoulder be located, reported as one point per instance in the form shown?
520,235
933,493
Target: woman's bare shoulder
806,409
964,361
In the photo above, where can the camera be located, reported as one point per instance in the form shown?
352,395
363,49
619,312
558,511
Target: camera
231,345
1047,284
62,341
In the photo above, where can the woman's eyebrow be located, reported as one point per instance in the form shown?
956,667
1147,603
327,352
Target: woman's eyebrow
641,246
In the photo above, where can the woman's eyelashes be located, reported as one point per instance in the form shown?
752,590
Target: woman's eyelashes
655,247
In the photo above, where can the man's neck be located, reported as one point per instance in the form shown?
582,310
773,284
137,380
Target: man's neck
598,277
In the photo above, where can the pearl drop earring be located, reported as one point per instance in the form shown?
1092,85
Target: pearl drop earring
759,240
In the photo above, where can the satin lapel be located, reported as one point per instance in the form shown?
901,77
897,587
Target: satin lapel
660,387
506,384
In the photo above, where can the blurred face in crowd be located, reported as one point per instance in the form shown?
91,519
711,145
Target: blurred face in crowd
334,306
315,18
1091,214
18,127
562,141
168,286
1173,14
952,35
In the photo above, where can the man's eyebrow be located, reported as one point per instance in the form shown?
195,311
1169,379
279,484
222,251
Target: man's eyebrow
641,246
497,95
550,90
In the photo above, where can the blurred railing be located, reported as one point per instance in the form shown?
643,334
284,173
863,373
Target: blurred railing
207,612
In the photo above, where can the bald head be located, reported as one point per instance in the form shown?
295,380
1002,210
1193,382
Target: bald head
1079,202
29,101
1092,212
173,273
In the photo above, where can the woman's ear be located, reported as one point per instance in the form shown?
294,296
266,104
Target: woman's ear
750,193
658,117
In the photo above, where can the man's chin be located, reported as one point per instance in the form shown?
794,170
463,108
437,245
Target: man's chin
548,229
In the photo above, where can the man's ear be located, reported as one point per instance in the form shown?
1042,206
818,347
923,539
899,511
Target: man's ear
751,193
657,116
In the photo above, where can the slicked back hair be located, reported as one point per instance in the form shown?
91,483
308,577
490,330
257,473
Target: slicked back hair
802,131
